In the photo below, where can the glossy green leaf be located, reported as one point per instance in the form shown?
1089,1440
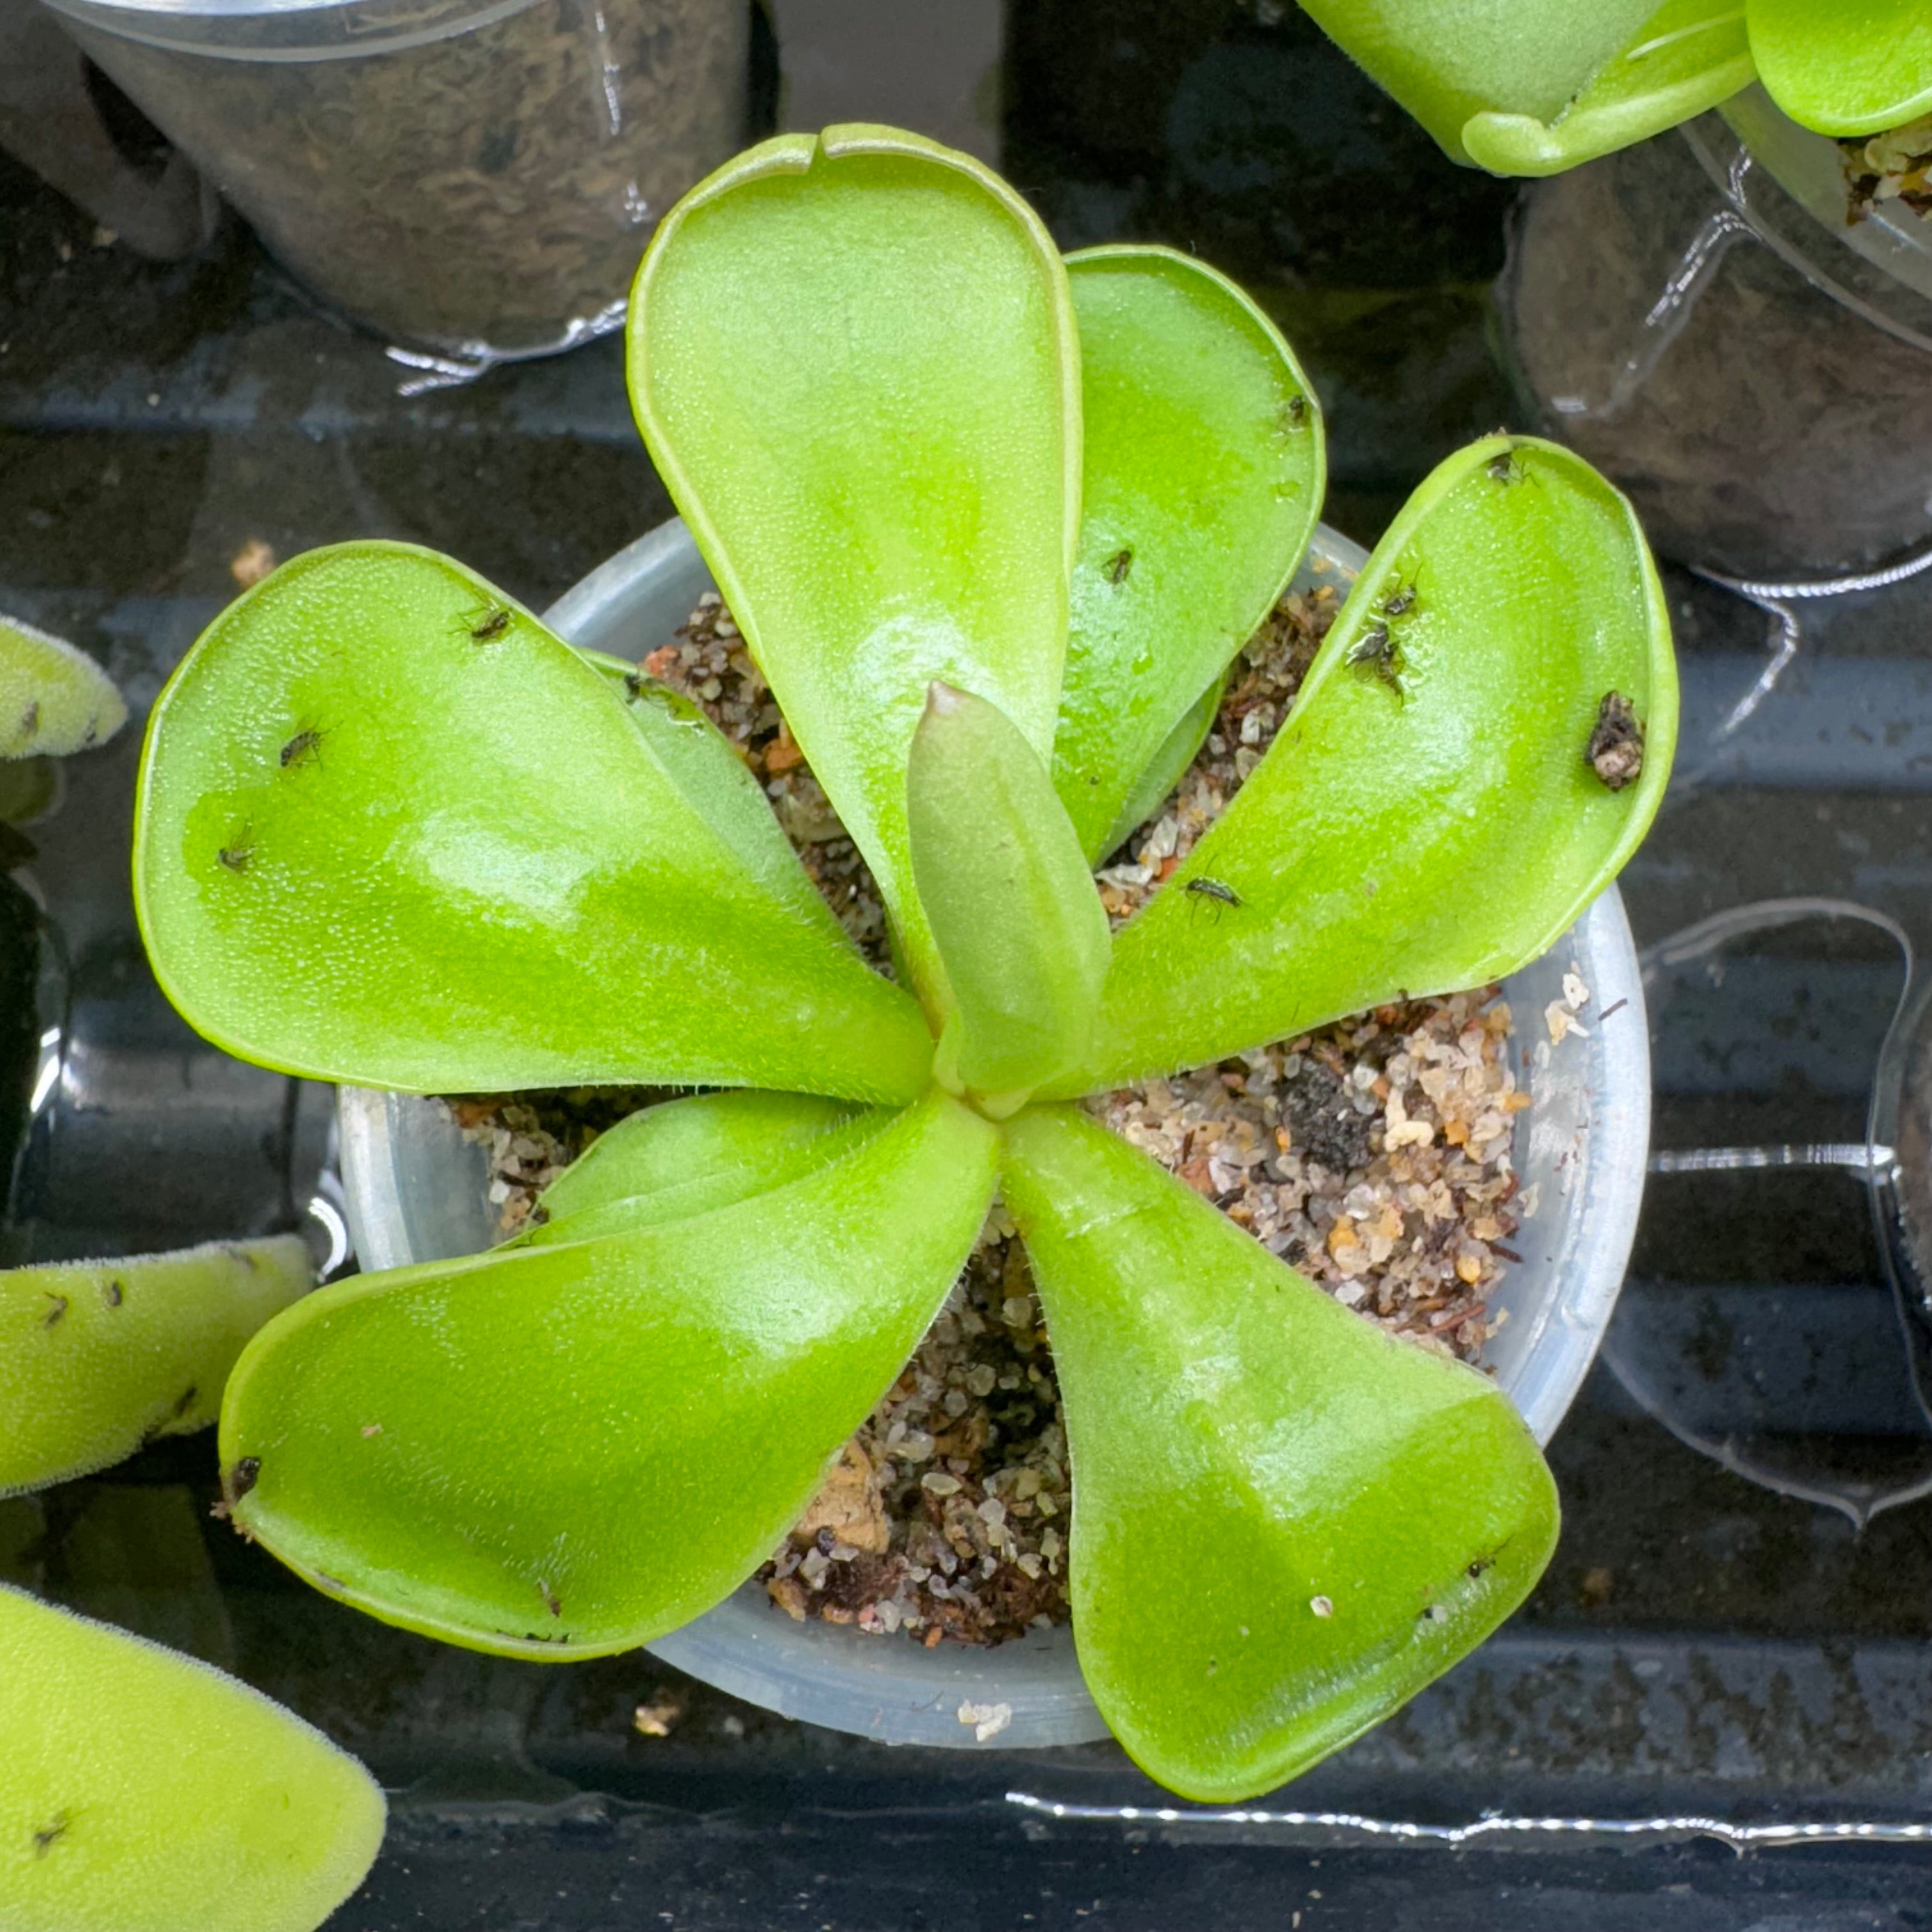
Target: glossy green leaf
565,1450
1689,56
853,360
1427,819
1853,67
54,700
142,1792
686,1157
1021,935
724,792
1167,768
1448,60
1285,1521
1204,475
97,1357
390,830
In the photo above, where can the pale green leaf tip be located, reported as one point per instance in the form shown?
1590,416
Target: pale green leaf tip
54,700
98,1722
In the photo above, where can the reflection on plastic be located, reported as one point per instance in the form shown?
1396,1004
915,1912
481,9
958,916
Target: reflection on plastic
1355,1824
1791,1018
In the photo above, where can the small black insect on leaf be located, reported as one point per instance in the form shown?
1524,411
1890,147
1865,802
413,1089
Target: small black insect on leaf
552,1602
53,1315
30,718
185,1401
1214,890
240,850
302,746
237,1480
1615,751
50,1834
113,1293
1502,468
1294,412
1400,600
1376,652
490,626
1118,565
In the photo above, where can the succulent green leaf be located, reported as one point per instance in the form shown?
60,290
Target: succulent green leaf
1855,67
1285,1521
1204,475
1449,61
390,830
565,1450
686,1157
1168,765
54,700
142,1792
1021,936
720,788
1429,817
97,1357
1689,56
854,359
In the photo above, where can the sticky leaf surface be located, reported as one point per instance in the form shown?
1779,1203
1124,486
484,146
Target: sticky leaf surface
142,1792
96,1357
1021,932
1204,474
1285,1521
1428,817
563,1451
853,358
54,700
390,830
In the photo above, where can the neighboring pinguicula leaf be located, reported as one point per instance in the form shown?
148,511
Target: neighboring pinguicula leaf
1286,1521
54,700
142,1792
1204,475
604,1437
1442,735
1845,69
1021,936
360,858
1446,61
1689,56
1531,87
911,409
98,1357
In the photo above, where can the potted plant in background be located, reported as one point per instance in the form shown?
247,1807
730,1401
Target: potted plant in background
391,831
1765,407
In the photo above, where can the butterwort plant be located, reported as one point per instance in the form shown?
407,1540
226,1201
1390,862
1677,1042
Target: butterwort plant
993,524
1532,87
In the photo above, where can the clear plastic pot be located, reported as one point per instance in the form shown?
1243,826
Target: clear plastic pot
1697,316
478,176
416,1193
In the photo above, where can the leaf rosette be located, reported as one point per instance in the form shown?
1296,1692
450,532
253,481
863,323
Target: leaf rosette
994,526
